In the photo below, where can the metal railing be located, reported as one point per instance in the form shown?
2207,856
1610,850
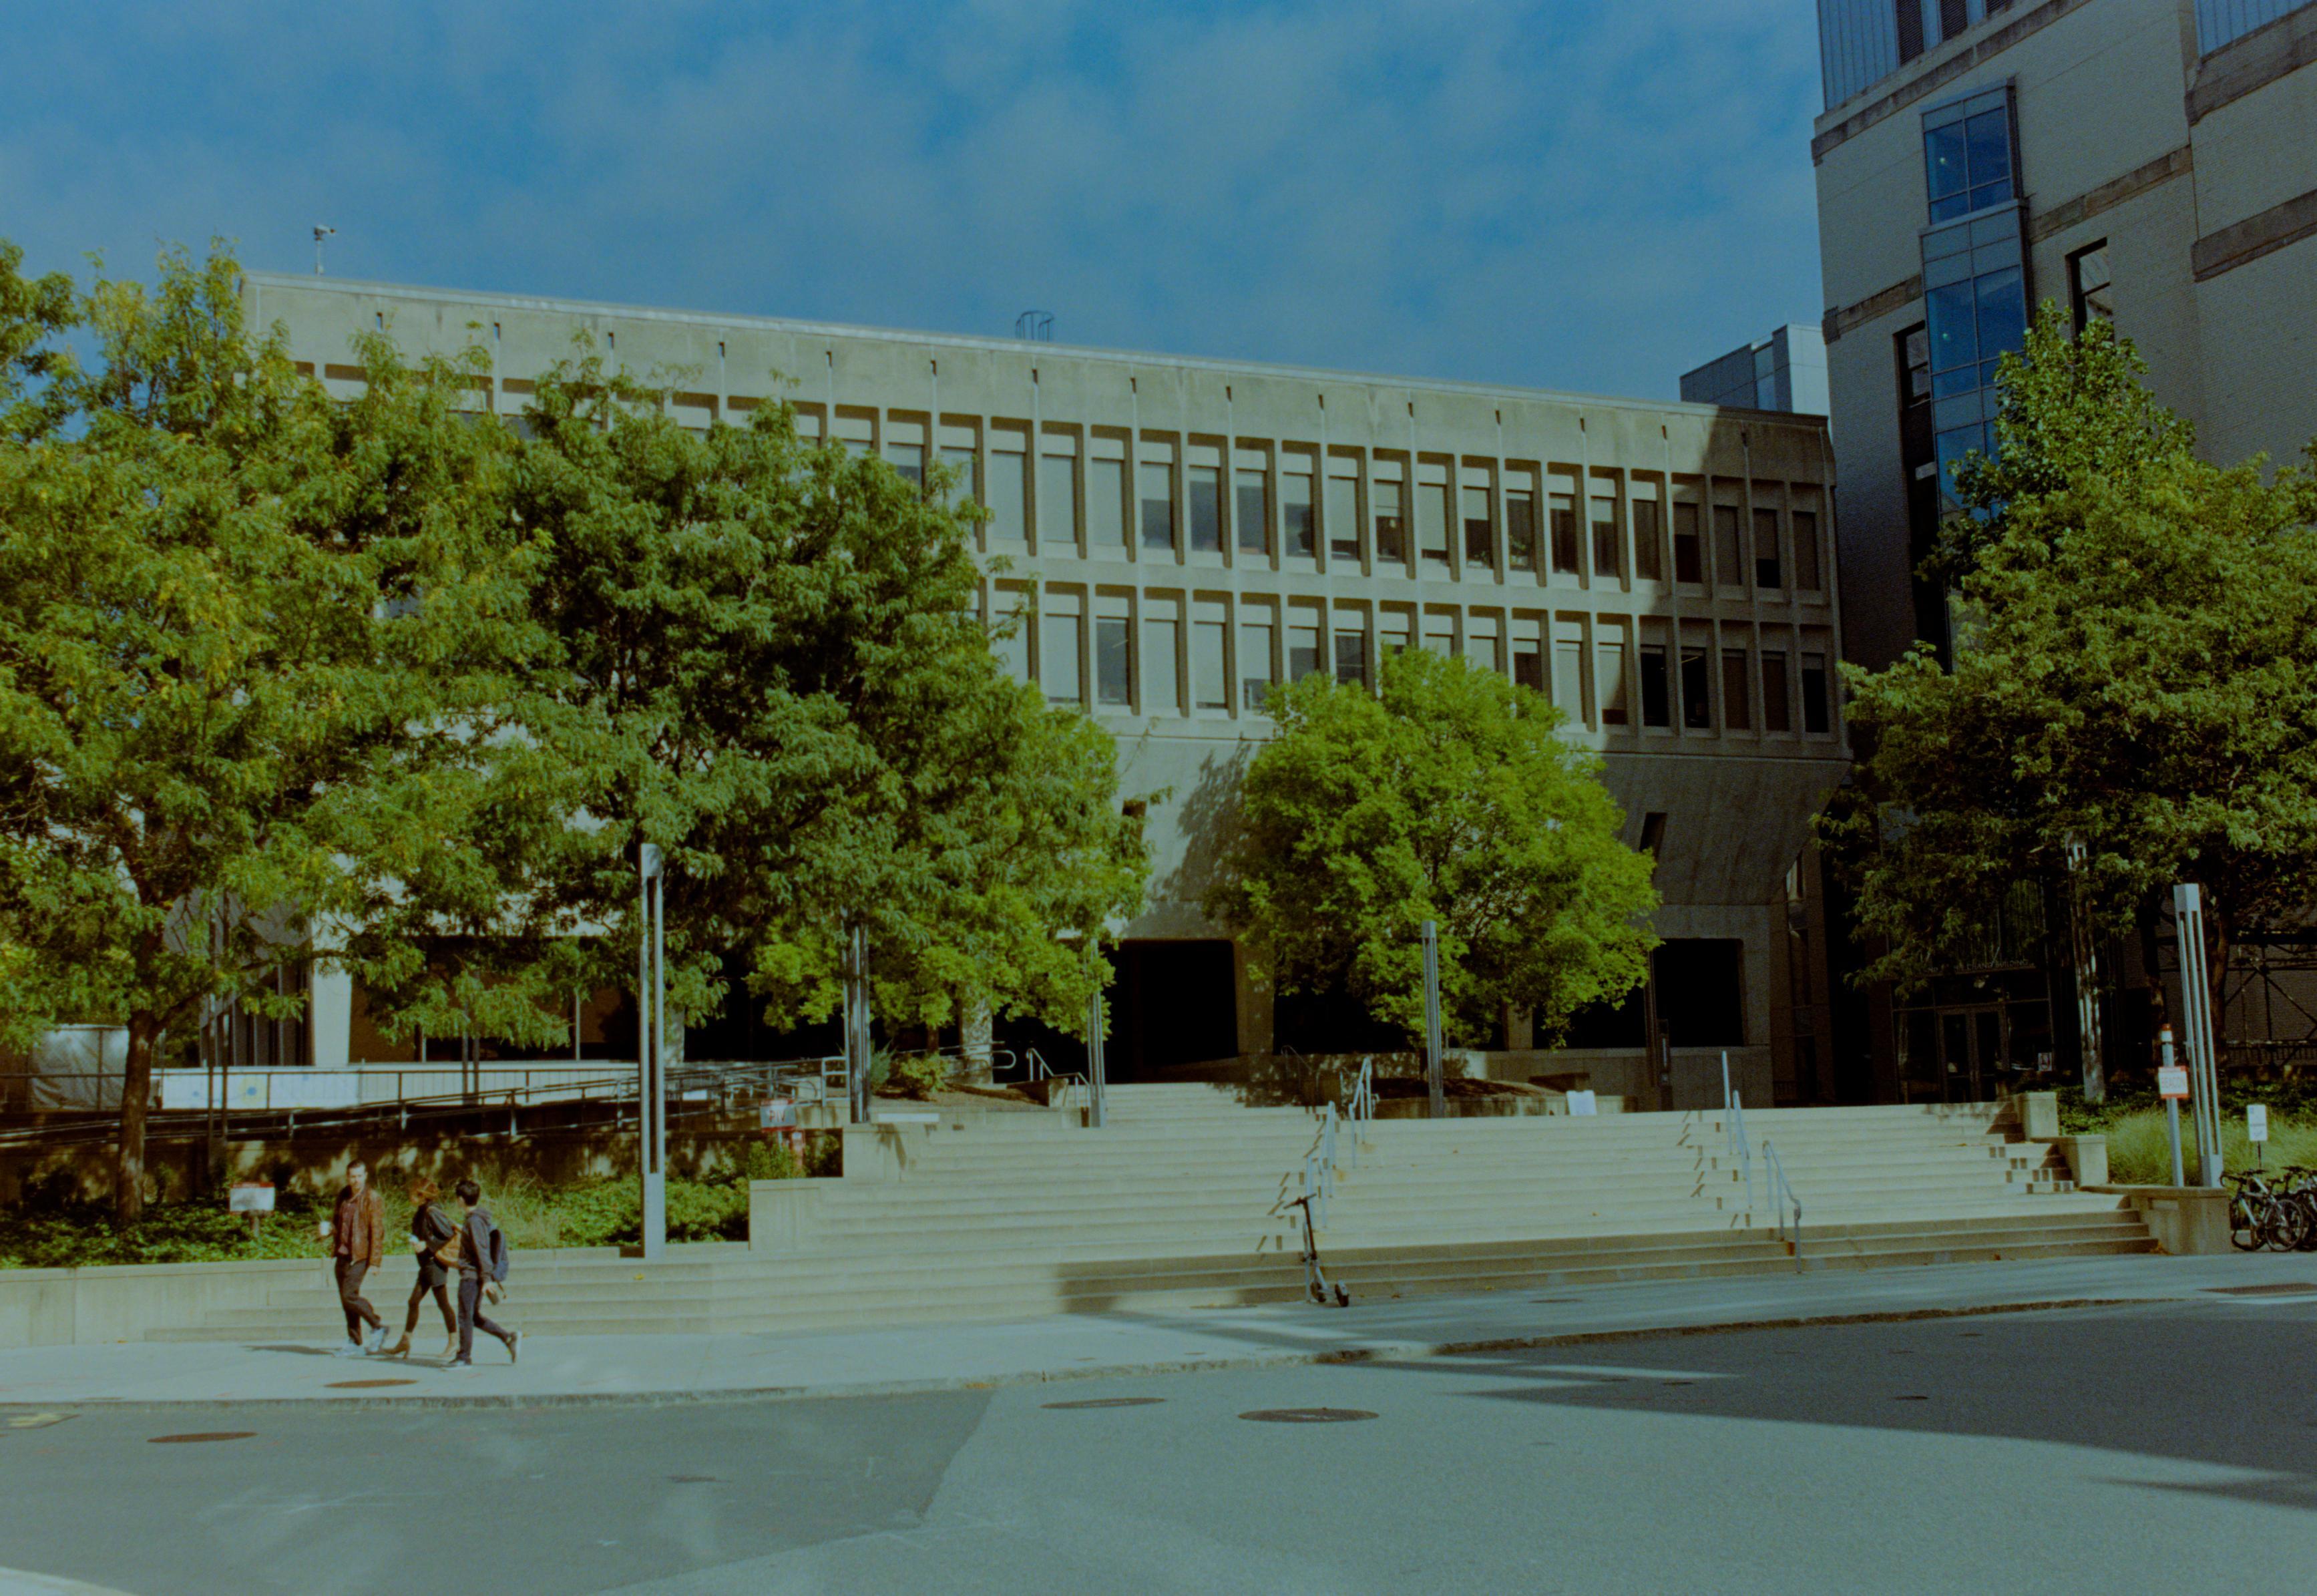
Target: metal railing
1319,1167
1734,1142
1782,1198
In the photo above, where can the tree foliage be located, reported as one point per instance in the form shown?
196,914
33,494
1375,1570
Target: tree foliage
1449,796
2138,672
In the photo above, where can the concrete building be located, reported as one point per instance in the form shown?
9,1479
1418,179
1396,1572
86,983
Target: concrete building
1191,530
1784,371
2150,161
2154,162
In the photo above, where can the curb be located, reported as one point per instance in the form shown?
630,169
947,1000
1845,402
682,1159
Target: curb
1378,1352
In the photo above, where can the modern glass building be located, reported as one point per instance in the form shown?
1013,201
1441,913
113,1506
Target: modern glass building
1188,531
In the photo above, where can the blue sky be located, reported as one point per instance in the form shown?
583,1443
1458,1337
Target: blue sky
1563,195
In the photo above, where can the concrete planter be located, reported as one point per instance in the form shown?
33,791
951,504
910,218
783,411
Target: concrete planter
2184,1220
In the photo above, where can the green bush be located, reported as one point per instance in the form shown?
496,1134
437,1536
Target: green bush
2139,1154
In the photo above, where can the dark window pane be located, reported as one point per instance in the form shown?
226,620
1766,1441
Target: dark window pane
1765,550
1608,548
1564,533
1252,509
1480,529
1295,515
1391,524
1648,542
1729,554
1688,553
1528,666
1814,693
1352,656
1737,691
1915,347
1158,506
1987,139
1806,557
1520,530
2002,312
1776,716
1944,156
1112,663
1948,316
1206,509
1697,702
1657,697
2088,287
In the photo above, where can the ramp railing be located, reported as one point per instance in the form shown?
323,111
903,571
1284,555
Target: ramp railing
1782,1200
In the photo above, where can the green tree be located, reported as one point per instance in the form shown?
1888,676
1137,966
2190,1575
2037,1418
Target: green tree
2138,671
251,644
1449,796
770,664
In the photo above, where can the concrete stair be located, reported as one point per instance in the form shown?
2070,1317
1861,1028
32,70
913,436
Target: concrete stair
1182,1202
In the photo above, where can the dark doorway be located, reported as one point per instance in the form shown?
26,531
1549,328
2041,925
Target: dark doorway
1332,1021
1702,991
1171,1004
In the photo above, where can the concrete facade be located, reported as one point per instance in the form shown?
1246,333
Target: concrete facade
1190,530
2180,134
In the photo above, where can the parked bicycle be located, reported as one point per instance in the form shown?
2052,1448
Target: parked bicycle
2299,1186
2261,1215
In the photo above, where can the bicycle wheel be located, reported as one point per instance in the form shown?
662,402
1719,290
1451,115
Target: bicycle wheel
2244,1235
2305,1199
2283,1224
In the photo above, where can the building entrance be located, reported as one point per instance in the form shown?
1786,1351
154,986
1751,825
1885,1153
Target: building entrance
1958,1053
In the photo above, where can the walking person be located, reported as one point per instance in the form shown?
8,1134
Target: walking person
357,1234
478,1233
430,1228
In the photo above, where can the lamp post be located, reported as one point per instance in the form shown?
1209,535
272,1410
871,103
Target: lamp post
2197,1015
1432,1019
651,1083
1098,1067
858,1050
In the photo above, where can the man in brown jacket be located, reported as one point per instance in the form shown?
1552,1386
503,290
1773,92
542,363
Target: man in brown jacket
358,1242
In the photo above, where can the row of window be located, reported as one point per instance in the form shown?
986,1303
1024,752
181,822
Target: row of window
1217,661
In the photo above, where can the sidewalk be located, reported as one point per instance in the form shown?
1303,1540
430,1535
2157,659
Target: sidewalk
598,1370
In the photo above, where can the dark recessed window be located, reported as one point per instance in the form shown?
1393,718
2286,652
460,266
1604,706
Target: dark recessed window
1688,553
1564,533
1814,718
1657,696
2090,290
1206,509
1697,694
1737,691
1767,573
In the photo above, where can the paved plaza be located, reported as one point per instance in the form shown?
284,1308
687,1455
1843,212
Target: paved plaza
2092,1447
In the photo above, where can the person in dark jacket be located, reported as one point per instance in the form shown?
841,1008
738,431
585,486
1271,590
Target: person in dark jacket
357,1232
474,1244
430,1227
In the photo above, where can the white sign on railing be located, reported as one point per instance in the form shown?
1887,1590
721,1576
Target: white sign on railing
2256,1122
1584,1102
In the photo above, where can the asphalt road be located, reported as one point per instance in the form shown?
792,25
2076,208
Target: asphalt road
2156,1447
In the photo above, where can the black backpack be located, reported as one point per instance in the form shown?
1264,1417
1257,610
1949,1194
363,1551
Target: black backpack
494,1266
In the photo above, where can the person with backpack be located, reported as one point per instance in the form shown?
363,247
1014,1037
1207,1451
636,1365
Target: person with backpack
482,1259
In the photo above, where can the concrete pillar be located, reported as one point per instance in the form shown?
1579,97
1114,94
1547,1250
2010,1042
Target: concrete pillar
330,1016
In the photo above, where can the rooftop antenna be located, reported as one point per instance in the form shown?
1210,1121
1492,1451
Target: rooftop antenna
1037,325
321,233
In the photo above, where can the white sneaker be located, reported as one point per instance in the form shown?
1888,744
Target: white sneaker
351,1349
377,1342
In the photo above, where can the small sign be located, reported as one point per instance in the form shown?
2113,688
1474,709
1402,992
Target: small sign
811,1089
2257,1122
2172,1081
1583,1102
250,1199
779,1112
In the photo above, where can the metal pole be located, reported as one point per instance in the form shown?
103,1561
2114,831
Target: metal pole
857,1019
648,1041
659,1061
2197,1012
1097,1064
2171,1106
1432,1019
2087,962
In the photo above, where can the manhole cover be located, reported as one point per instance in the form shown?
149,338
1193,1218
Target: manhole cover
1307,1415
366,1385
2282,1288
204,1435
1108,1402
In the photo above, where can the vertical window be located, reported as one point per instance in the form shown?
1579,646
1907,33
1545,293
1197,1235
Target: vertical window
1396,632
965,478
1729,553
1106,492
1609,683
1113,662
1520,528
1058,500
1303,645
1206,509
908,462
1814,717
1648,542
1480,530
1162,670
1608,547
1776,714
1252,510
1391,524
2090,293
1352,656
1767,573
1689,556
1657,696
1485,649
1569,681
1210,664
1058,658
1563,508
1009,491
1528,663
1697,701
1967,157
1807,572
1440,633
1295,514
1344,519
1010,639
1432,522
1737,691
1255,661
1158,504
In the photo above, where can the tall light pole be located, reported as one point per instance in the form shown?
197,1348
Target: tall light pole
2196,1028
1432,1019
858,1051
651,1082
1097,1066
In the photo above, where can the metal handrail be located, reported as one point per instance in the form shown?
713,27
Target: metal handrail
1735,1140
1359,1102
1319,1167
1782,1197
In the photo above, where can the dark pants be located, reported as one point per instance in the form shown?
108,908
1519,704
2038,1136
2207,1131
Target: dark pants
359,1311
432,1278
470,1315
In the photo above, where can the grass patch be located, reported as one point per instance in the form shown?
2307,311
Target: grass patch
2139,1154
50,1232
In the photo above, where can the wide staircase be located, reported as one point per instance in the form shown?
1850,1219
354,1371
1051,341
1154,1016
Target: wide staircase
1183,1201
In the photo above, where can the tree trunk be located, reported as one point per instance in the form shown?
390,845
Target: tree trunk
136,1091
